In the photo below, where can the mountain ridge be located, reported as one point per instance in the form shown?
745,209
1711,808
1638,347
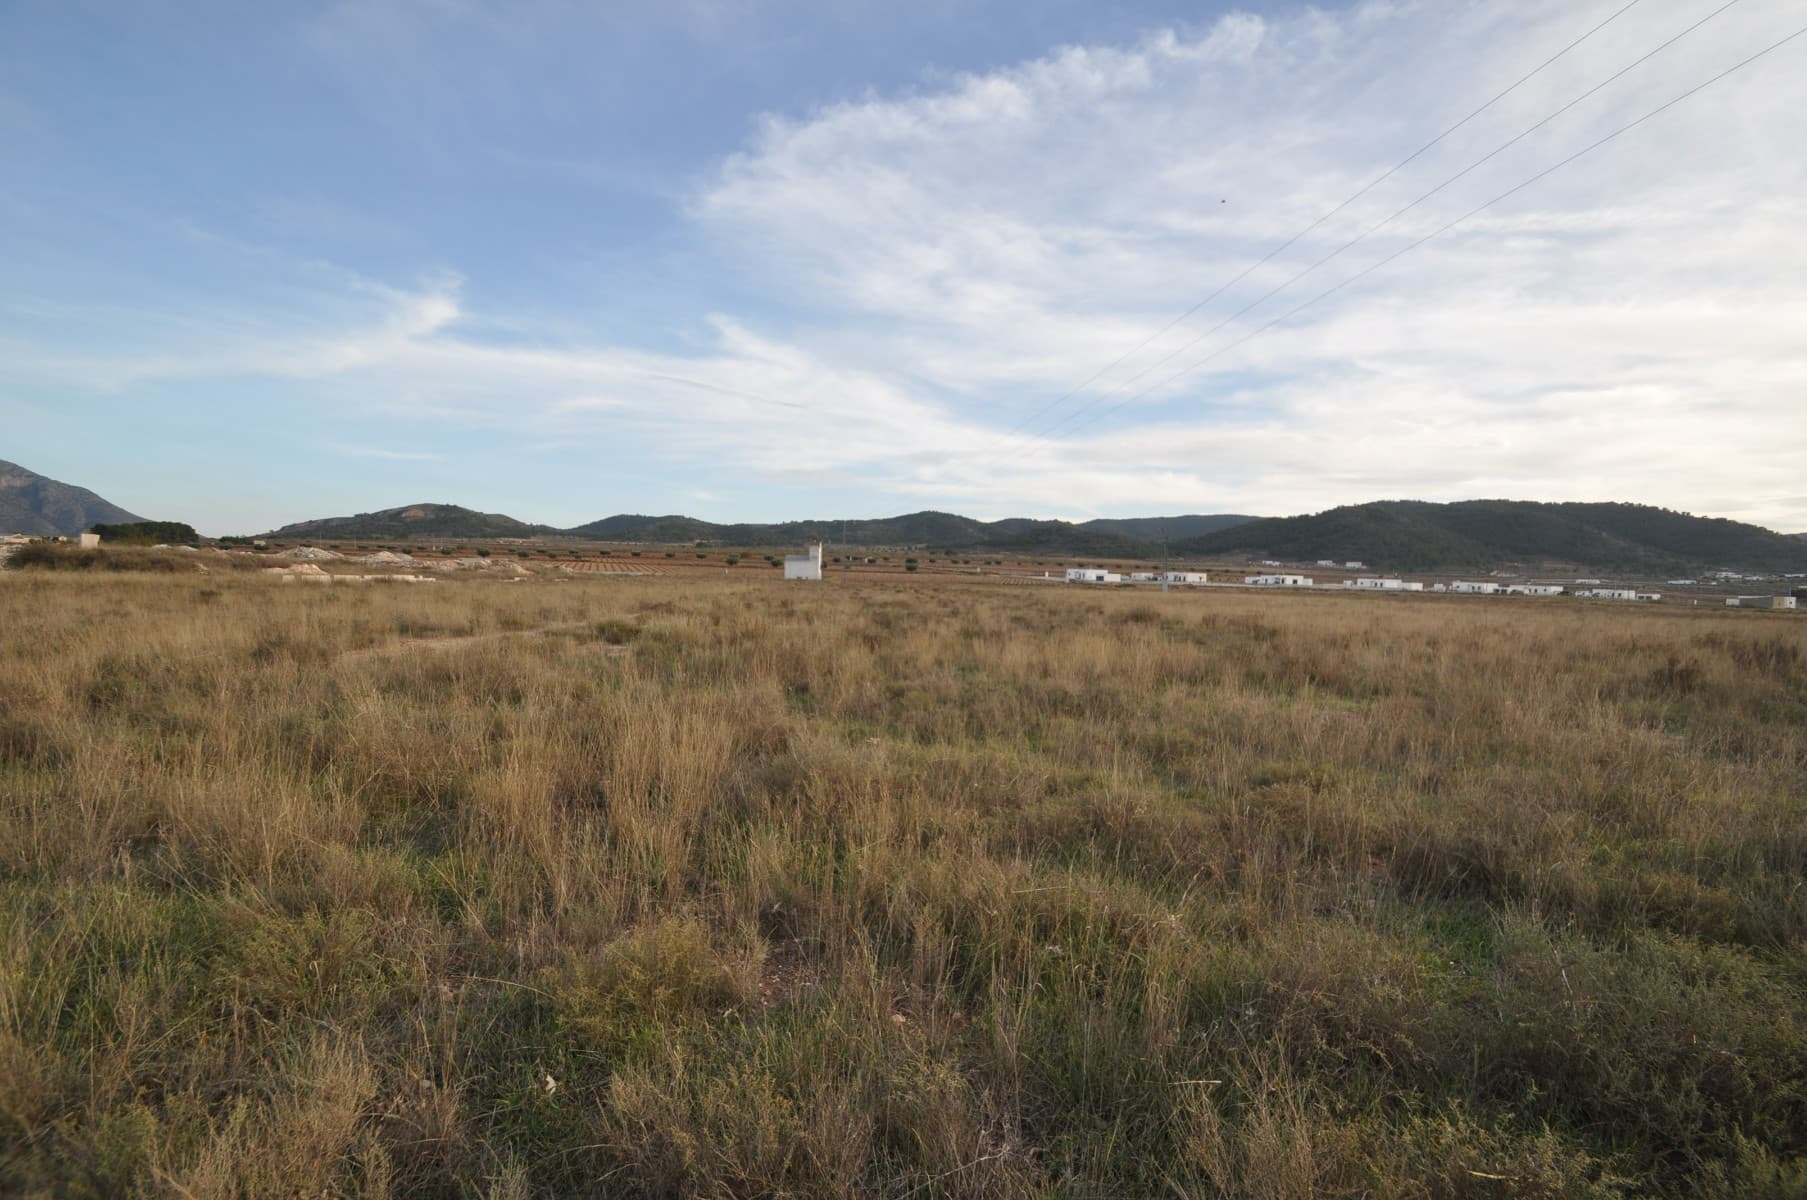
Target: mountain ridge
1418,535
38,505
1399,535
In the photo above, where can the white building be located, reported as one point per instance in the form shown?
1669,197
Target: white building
1355,566
1278,580
1474,589
89,541
1092,575
1143,577
804,566
1771,602
1187,577
1534,589
1371,583
1618,594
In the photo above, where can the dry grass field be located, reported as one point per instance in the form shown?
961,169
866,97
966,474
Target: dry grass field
894,888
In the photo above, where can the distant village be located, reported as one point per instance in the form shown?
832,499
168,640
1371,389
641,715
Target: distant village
810,566
1586,589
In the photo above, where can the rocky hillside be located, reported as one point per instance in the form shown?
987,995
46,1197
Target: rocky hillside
44,507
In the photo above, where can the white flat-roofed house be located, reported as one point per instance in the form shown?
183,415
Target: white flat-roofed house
804,566
1143,577
1468,588
1278,580
1186,577
1092,575
1619,594
1371,583
1776,603
1534,589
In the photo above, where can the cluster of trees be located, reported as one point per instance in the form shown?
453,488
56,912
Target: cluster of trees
149,533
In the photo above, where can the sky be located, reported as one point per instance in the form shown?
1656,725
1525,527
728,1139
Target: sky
759,260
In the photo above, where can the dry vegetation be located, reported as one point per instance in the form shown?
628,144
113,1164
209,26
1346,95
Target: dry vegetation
895,890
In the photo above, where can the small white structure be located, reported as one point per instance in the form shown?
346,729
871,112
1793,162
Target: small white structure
1618,594
1186,577
1326,562
1372,583
1777,603
1474,589
1355,566
1092,575
1534,589
1143,577
1278,580
804,566
89,541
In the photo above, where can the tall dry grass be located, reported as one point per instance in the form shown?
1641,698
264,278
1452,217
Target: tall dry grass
915,888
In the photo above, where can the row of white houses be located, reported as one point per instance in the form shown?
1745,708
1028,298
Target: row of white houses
1367,583
1100,575
1770,602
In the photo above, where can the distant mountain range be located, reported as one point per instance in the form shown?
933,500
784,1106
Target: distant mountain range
1414,535
946,531
1398,535
1389,535
43,507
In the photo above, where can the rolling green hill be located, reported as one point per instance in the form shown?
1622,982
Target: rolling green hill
1417,535
936,530
410,521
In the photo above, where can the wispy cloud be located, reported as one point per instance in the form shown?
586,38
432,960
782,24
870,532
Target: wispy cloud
930,269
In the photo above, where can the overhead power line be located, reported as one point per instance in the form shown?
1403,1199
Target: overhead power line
1465,217
1294,239
1365,234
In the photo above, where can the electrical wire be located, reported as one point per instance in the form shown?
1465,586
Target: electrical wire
1378,226
1465,217
1294,239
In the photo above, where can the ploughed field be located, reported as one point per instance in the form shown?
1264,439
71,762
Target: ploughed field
727,887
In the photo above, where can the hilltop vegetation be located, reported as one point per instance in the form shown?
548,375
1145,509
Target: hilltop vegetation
894,890
149,533
1412,535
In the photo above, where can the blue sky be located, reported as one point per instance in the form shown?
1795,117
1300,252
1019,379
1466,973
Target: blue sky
755,261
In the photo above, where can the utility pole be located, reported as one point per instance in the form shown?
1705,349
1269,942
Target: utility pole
1166,557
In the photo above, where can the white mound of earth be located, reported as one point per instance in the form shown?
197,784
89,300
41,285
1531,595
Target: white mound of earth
311,554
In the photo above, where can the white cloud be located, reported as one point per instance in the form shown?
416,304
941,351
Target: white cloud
953,260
